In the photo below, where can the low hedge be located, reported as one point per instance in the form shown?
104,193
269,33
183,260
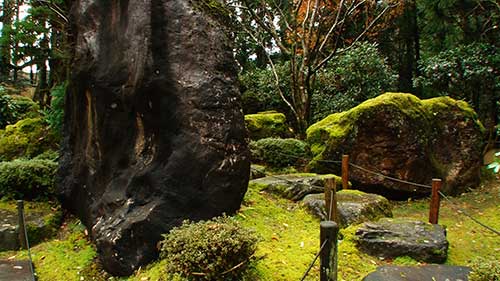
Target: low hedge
279,153
27,179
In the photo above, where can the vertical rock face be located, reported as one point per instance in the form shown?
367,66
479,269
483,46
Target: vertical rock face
154,133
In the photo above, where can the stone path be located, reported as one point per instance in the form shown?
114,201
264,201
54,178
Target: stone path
11,270
431,272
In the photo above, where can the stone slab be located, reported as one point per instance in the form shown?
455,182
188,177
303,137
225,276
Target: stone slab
11,270
432,272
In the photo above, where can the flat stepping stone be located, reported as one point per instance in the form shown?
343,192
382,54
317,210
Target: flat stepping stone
11,270
353,206
432,272
294,186
390,238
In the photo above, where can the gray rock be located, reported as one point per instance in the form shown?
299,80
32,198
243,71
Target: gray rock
432,272
390,238
353,206
9,239
153,131
294,186
257,171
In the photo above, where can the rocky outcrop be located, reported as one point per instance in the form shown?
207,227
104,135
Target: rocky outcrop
353,206
390,238
153,132
404,137
433,272
294,186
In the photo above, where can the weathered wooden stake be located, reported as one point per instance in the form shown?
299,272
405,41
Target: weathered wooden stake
328,257
345,171
434,207
20,214
331,199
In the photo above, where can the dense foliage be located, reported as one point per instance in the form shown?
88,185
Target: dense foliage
55,113
357,74
27,179
15,108
484,269
279,153
218,249
27,138
469,72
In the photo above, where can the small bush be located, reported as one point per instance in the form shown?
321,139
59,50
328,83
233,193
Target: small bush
27,179
219,249
15,108
55,114
279,152
27,138
485,270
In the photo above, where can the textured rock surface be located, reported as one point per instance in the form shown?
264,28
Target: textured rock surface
390,238
154,132
353,206
434,272
294,186
402,136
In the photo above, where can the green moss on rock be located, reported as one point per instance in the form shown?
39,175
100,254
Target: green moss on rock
27,138
266,125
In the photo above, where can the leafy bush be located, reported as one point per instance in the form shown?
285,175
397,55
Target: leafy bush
485,270
55,114
15,108
27,138
470,73
354,76
218,249
27,179
279,152
258,88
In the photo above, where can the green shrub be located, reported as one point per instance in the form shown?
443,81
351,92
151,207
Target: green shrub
356,75
485,270
55,114
27,179
279,153
218,249
267,124
15,108
470,73
27,138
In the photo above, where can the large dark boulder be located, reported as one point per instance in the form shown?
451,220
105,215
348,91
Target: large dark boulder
390,238
404,137
153,133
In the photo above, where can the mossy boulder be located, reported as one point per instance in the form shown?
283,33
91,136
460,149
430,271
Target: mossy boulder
399,135
27,138
294,186
279,153
266,125
353,206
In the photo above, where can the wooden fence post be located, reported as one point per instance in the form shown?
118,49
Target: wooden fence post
20,213
434,207
331,199
328,257
345,171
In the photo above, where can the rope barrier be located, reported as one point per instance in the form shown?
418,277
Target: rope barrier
465,213
390,178
28,247
314,260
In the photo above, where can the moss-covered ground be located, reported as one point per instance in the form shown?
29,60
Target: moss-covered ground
289,240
